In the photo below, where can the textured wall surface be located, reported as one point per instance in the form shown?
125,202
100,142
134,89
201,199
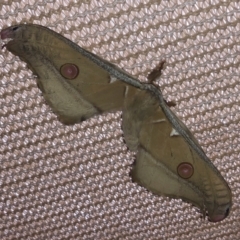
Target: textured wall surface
72,182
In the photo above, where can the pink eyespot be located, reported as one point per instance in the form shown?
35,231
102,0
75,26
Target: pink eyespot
185,170
69,70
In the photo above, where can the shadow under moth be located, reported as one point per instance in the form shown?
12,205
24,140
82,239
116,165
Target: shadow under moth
77,84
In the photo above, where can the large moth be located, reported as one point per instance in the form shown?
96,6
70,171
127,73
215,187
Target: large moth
78,84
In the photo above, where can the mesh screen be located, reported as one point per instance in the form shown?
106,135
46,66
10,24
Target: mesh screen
72,182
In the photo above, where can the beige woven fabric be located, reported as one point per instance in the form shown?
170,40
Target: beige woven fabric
72,182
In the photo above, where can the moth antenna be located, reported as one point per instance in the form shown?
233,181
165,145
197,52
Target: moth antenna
154,74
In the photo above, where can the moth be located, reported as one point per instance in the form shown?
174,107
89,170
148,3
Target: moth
77,85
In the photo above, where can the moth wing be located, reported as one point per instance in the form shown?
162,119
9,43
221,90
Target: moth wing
167,165
157,178
92,91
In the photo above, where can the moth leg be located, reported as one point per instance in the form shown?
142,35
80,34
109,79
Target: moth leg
170,103
156,72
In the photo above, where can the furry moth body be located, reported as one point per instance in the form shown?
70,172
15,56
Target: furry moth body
78,84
